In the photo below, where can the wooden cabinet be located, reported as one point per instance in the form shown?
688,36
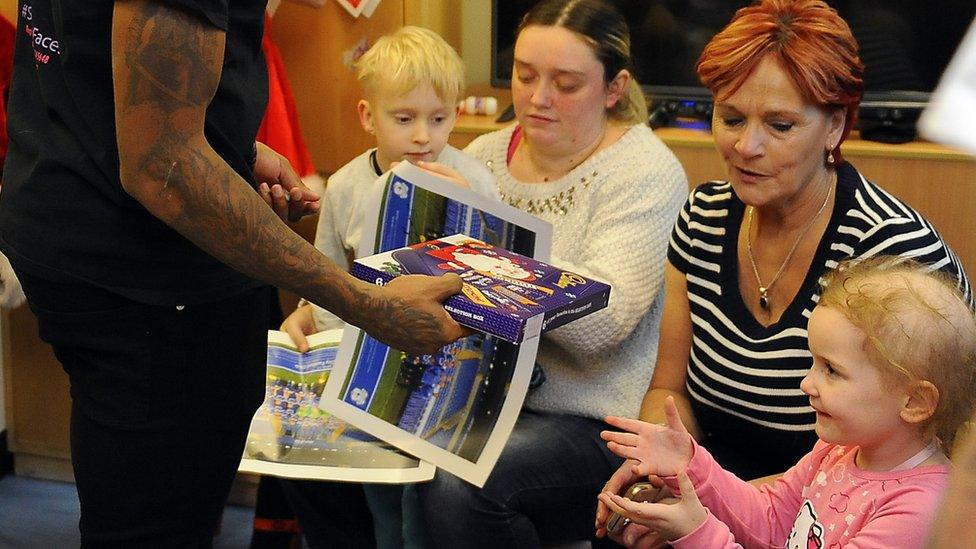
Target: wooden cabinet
36,394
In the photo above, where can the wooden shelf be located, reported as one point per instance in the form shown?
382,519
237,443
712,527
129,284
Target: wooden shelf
921,150
938,181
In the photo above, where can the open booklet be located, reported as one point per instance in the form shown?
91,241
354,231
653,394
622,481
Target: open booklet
455,408
292,437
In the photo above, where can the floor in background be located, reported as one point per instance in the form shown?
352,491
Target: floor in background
44,514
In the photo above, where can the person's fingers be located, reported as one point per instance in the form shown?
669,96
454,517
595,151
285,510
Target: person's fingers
446,172
612,501
687,488
657,482
279,201
438,168
446,286
265,192
295,332
625,451
673,417
308,195
628,439
296,206
627,424
614,485
312,208
413,318
287,176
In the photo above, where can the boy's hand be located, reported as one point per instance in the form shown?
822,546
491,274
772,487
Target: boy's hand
282,188
670,520
299,324
652,449
446,172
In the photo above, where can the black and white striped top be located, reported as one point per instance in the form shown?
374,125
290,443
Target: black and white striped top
744,378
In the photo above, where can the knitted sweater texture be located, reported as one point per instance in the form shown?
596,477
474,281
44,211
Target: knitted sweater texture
612,216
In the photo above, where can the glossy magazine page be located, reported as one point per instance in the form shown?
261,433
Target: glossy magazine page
456,408
291,437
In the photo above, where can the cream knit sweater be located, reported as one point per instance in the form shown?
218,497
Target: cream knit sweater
612,218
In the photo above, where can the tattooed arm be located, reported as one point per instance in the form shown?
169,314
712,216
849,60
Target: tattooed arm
166,66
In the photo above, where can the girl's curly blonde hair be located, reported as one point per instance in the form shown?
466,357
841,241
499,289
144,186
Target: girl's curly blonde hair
918,327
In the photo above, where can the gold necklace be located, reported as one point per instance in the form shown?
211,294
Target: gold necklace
764,289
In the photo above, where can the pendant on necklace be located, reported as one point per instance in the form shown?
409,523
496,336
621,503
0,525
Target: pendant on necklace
764,298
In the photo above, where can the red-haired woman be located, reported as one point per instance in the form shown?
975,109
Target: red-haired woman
746,253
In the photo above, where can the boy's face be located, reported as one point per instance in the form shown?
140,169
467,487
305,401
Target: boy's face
854,405
414,126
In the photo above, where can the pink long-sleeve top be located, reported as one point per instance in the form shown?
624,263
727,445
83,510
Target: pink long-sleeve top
823,502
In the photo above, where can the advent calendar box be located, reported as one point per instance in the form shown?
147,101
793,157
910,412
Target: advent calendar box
505,294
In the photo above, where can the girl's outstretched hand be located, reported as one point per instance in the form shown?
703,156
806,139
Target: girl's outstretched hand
670,520
653,449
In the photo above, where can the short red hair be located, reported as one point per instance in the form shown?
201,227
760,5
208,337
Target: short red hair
812,43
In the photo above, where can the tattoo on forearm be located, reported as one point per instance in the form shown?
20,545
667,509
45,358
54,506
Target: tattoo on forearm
174,65
173,68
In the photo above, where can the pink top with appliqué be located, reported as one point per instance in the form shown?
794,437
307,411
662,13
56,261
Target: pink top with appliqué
824,502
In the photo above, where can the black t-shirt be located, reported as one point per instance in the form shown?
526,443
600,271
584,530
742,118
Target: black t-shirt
63,213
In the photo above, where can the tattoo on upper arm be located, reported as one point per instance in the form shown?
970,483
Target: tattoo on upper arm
170,67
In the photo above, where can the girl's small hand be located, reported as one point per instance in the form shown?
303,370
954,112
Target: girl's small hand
654,449
670,520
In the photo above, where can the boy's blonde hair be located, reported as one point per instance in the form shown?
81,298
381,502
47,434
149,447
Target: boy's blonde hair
407,58
918,327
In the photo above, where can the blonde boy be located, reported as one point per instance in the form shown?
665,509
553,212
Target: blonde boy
411,82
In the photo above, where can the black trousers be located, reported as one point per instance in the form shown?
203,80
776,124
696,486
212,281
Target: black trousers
162,398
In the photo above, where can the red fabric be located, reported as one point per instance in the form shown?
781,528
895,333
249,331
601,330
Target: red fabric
276,525
280,129
513,144
7,33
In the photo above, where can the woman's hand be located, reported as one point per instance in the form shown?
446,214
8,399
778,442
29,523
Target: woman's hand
651,449
298,325
281,188
669,520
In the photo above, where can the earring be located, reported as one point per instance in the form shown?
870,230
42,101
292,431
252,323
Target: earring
830,159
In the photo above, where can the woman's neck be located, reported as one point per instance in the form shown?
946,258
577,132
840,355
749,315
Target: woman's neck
795,214
551,163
